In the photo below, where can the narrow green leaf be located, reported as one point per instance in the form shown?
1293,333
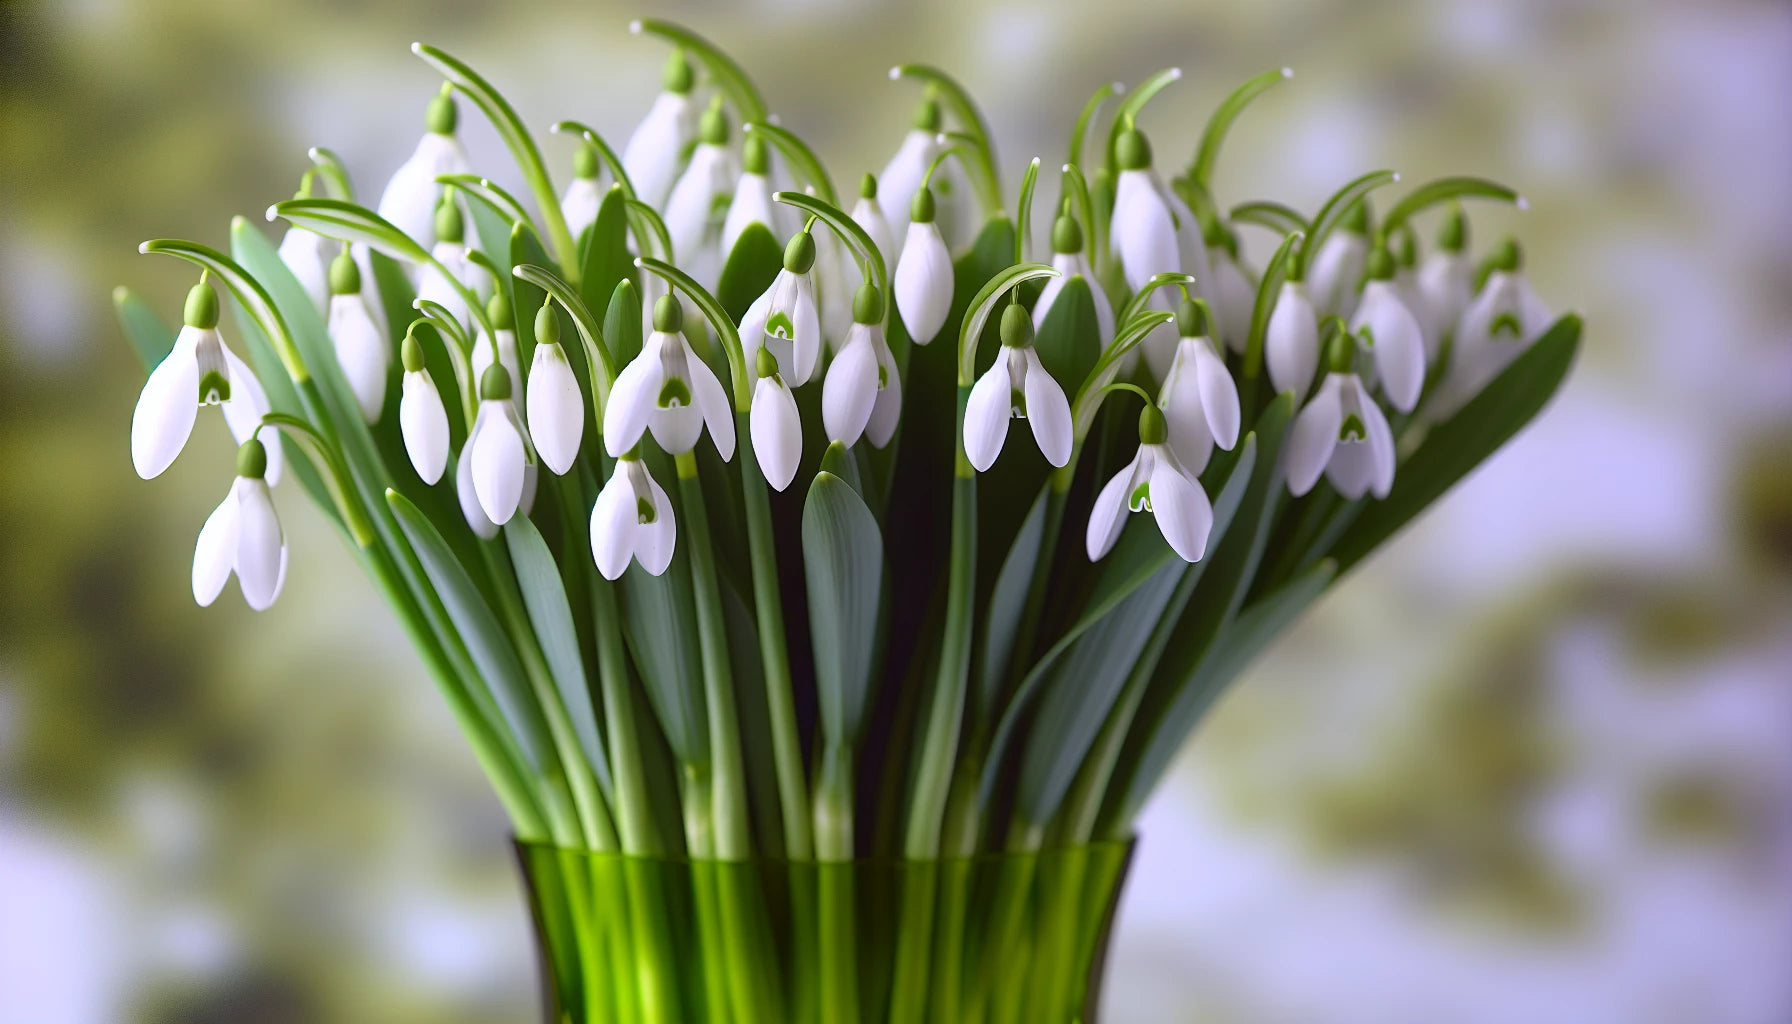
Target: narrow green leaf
659,621
1208,153
1069,341
605,255
752,266
538,577
1023,211
335,175
843,563
809,168
346,222
1283,220
1007,601
727,75
1443,190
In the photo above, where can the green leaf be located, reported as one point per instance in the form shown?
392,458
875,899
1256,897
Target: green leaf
1462,442
622,322
150,336
843,563
808,167
659,621
605,257
752,266
1007,602
727,75
478,630
1332,213
1283,220
1443,190
335,175
603,365
1023,211
346,222
538,577
848,229
1208,153
1069,341
977,314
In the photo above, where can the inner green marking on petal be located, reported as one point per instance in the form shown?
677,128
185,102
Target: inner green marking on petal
1506,324
214,388
778,325
1017,403
1353,429
1140,501
644,512
675,393
883,377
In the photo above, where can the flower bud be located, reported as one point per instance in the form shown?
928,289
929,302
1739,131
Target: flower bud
345,275
202,306
668,314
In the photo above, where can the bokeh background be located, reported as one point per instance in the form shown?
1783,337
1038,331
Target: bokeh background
1533,763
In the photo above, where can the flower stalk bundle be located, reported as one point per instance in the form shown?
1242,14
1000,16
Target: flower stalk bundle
738,519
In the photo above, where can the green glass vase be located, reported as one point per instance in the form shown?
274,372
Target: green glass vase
992,939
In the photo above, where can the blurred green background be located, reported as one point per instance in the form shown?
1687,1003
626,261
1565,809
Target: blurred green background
1532,763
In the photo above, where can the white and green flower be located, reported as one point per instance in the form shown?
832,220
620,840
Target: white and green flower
669,390
242,536
1155,482
1016,386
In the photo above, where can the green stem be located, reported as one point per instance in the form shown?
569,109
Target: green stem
834,846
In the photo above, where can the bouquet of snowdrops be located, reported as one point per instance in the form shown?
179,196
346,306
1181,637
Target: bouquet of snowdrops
740,520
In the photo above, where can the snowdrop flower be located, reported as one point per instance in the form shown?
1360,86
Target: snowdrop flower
1153,482
498,448
698,202
1384,321
1291,340
412,195
776,427
503,320
1502,321
923,281
1068,260
862,394
555,404
902,176
783,320
1230,291
451,252
1336,271
657,147
1341,433
752,203
868,213
360,345
308,254
422,420
242,536
585,194
1446,283
1406,275
1016,386
1143,229
1198,397
199,370
467,492
669,390
632,520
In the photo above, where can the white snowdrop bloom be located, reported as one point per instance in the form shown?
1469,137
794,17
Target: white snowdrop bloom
1233,296
360,345
422,419
669,390
498,448
503,343
752,203
1335,273
1153,482
923,280
776,427
556,405
699,200
242,536
1068,260
783,319
632,520
1341,433
585,194
1446,284
468,494
655,150
868,213
862,394
1198,398
902,176
451,252
413,193
1291,341
1016,386
1395,340
308,255
1143,230
1504,319
199,370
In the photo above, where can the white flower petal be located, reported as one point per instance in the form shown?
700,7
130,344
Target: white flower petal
556,408
423,423
214,556
655,541
923,282
308,255
498,457
1335,273
986,414
1219,396
1291,341
1190,436
1399,343
362,352
1107,517
868,213
1446,286
242,414
464,489
690,212
260,544
1048,412
777,432
653,152
613,523
886,408
1159,346
1142,231
579,205
902,176
634,397
1381,445
850,389
166,409
1181,508
713,403
752,204
410,198
1314,435
1233,298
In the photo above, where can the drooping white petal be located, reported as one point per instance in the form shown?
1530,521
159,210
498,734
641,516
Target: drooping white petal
437,287
987,412
423,423
653,152
1191,248
308,255
634,397
260,544
167,407
868,213
902,176
1446,286
886,408
691,217
1485,343
243,412
752,204
1336,272
468,493
556,408
1143,231
1048,411
614,522
1534,316
712,402
784,321
923,282
1399,345
1233,298
1291,342
410,198
1107,517
1219,396
362,352
1069,265
655,539
1181,508
579,204
850,388
1190,436
1362,463
1314,435
777,431
498,456
214,557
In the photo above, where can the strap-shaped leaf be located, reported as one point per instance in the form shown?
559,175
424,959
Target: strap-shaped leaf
1220,122
335,175
843,564
347,222
1023,215
807,165
1007,602
982,305
1265,213
1332,213
729,77
1443,190
1069,341
660,623
752,265
538,577
605,251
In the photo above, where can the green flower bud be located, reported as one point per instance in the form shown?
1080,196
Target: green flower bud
1508,257
927,115
442,115
765,364
1191,318
713,129
1340,354
584,161
411,351
1017,326
1133,150
668,314
754,159
1453,237
547,325
1381,263
1153,428
1406,247
920,208
867,305
202,306
449,226
799,253
494,384
1356,219
868,186
678,76
252,460
1067,235
498,311
345,276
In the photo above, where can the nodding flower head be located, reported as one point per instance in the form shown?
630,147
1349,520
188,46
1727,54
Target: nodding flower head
360,345
903,175
655,150
784,319
1198,398
862,395
422,420
1341,433
1392,333
1155,482
698,203
923,281
1143,228
1503,319
632,521
777,429
242,537
1070,262
752,202
498,448
410,198
669,390
585,193
1016,386
555,404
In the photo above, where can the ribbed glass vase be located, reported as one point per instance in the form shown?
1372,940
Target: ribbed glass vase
995,939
